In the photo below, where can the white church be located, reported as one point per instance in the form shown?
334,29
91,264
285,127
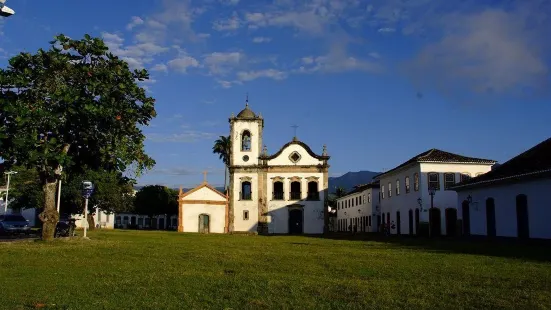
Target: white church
282,193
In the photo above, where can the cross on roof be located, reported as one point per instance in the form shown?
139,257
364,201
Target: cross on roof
205,176
295,127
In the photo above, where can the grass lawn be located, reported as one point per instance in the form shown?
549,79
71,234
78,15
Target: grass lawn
166,270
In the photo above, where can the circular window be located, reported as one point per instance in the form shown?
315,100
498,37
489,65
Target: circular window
246,158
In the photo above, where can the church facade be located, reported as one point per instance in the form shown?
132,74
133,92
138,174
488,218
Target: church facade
282,193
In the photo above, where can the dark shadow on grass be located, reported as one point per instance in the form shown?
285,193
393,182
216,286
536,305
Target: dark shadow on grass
533,249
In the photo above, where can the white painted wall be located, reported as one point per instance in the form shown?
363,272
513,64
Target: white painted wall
238,128
305,160
204,193
539,208
217,217
348,210
120,219
245,205
101,219
278,210
405,201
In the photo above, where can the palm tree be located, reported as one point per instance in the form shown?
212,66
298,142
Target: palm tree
340,192
222,147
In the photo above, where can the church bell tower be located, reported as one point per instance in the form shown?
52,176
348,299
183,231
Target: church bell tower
246,137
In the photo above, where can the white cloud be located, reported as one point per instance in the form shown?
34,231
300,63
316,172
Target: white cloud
225,84
135,21
261,39
160,67
203,35
229,2
492,51
229,24
374,55
222,63
386,30
137,55
182,63
267,73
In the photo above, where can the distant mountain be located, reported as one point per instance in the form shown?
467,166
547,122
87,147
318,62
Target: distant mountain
351,179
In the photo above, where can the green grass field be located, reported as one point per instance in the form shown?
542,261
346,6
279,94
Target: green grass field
167,270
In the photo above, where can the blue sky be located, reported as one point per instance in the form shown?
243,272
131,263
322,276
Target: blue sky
376,81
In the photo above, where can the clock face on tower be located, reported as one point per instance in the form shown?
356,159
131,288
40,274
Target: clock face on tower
246,158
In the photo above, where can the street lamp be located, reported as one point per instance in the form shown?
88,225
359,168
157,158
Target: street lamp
420,202
9,173
4,10
432,192
469,199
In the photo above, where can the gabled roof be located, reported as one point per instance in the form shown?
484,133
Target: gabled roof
361,188
297,142
536,162
204,184
439,156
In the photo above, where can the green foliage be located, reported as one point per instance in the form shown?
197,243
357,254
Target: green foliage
25,188
112,193
340,192
222,147
154,200
74,105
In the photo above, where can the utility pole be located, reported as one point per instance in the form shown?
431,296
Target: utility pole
9,173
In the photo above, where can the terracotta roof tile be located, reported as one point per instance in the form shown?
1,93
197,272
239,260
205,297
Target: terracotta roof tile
534,162
439,156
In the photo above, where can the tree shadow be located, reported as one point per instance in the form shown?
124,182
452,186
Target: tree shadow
532,249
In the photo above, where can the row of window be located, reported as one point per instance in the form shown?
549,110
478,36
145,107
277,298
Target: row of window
357,224
279,194
353,201
140,221
433,182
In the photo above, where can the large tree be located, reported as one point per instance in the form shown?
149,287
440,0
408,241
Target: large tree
72,107
222,147
113,193
154,200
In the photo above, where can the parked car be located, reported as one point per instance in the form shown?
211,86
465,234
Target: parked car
14,224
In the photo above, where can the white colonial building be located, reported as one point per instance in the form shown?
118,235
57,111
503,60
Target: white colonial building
203,209
102,219
404,190
281,193
359,210
512,200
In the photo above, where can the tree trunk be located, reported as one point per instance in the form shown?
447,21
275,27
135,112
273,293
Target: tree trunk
49,216
225,179
91,223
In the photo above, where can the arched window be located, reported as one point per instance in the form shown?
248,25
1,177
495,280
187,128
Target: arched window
523,225
313,193
416,182
278,190
397,187
434,180
407,184
295,190
246,191
118,220
368,197
389,189
125,220
449,180
246,141
465,176
490,217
